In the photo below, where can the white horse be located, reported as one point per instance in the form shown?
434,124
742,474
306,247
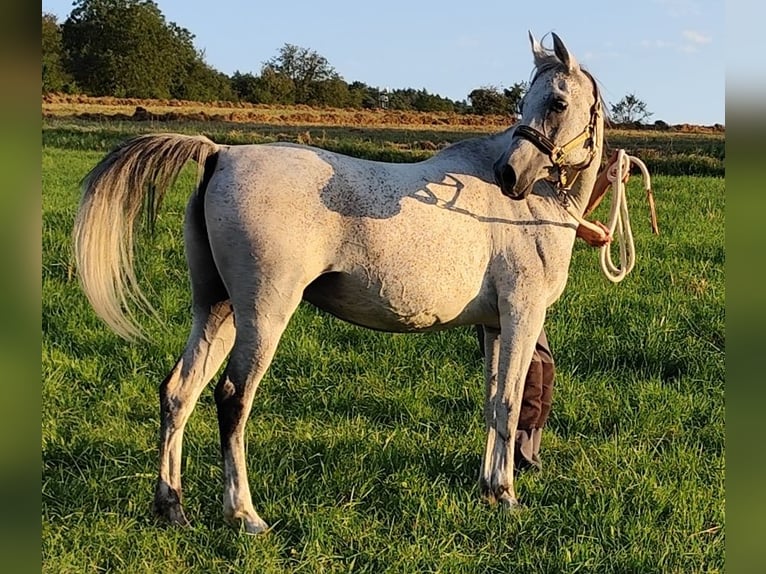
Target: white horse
395,247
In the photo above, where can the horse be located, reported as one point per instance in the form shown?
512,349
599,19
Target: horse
480,233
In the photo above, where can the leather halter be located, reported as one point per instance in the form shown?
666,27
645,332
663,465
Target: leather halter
567,172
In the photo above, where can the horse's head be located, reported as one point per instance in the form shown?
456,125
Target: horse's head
560,126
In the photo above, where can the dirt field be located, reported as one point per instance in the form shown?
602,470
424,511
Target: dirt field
130,109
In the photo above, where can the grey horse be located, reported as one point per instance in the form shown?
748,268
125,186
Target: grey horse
479,234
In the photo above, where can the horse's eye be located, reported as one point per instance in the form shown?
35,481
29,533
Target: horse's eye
558,105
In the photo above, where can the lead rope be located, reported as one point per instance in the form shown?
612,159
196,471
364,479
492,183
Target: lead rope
619,219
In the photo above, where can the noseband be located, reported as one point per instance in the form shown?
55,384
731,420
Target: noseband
566,172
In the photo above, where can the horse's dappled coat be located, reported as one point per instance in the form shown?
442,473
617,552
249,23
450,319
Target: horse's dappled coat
395,247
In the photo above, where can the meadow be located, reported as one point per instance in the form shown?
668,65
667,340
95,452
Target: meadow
364,447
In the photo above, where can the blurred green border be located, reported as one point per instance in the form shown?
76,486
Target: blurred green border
20,236
745,287
745,321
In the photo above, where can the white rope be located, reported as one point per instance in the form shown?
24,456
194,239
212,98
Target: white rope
619,219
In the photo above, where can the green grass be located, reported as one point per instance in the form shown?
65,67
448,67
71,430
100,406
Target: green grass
364,447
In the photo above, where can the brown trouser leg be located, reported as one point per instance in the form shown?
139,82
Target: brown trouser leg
535,405
538,387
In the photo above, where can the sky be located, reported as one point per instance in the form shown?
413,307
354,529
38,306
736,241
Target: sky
669,53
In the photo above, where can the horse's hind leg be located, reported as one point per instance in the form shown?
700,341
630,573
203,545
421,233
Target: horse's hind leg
259,328
210,340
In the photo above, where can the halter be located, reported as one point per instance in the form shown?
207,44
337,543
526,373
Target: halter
566,172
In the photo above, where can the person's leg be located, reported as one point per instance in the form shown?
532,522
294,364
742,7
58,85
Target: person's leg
535,406
543,351
531,408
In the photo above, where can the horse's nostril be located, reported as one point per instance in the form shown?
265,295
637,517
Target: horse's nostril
507,180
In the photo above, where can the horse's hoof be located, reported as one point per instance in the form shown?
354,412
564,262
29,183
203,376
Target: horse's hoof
255,527
172,513
486,491
174,517
250,523
167,505
510,502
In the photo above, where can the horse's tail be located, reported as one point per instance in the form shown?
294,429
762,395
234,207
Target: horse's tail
131,179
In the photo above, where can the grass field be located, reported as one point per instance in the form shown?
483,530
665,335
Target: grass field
364,447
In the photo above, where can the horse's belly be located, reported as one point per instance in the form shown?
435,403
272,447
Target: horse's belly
394,306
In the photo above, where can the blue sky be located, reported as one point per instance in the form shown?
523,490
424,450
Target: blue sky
670,53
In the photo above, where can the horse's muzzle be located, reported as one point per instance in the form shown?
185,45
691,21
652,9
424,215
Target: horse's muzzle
505,177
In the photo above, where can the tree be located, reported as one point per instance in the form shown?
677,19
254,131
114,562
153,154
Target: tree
303,67
274,87
425,102
126,48
630,110
333,93
201,83
401,99
514,95
363,96
54,76
245,86
490,100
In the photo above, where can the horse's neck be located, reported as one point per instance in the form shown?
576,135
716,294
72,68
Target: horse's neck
582,189
498,143
483,148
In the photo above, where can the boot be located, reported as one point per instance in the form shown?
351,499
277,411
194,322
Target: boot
527,451
537,436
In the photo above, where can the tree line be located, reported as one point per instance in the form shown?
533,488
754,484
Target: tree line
127,48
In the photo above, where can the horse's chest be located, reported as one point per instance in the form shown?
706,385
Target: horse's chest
555,272
534,265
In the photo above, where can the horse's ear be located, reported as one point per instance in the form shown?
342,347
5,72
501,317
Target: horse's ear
537,49
563,54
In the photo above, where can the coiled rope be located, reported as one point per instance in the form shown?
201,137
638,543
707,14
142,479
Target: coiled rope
619,219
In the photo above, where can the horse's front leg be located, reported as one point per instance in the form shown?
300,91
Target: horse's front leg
491,349
506,362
